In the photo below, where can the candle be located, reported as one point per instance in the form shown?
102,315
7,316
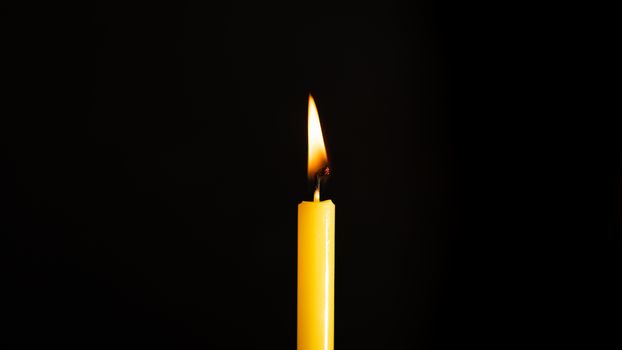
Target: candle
316,250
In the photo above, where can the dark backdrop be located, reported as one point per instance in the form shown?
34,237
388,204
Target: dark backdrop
153,157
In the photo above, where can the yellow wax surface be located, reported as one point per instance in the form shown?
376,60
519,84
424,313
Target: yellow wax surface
316,275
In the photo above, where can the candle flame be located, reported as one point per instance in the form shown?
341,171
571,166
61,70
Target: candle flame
318,159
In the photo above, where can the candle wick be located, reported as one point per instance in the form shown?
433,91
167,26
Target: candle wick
322,174
316,194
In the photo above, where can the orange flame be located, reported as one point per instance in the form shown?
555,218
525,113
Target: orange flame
317,151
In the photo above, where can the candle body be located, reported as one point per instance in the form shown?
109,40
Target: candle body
316,275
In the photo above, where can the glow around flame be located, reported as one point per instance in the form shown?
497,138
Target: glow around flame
317,151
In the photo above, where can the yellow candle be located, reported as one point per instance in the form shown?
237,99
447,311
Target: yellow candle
316,252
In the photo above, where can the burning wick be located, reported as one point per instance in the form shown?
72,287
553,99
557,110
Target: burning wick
319,176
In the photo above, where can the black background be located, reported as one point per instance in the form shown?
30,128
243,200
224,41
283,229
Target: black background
153,156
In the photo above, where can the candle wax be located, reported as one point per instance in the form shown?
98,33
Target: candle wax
316,275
